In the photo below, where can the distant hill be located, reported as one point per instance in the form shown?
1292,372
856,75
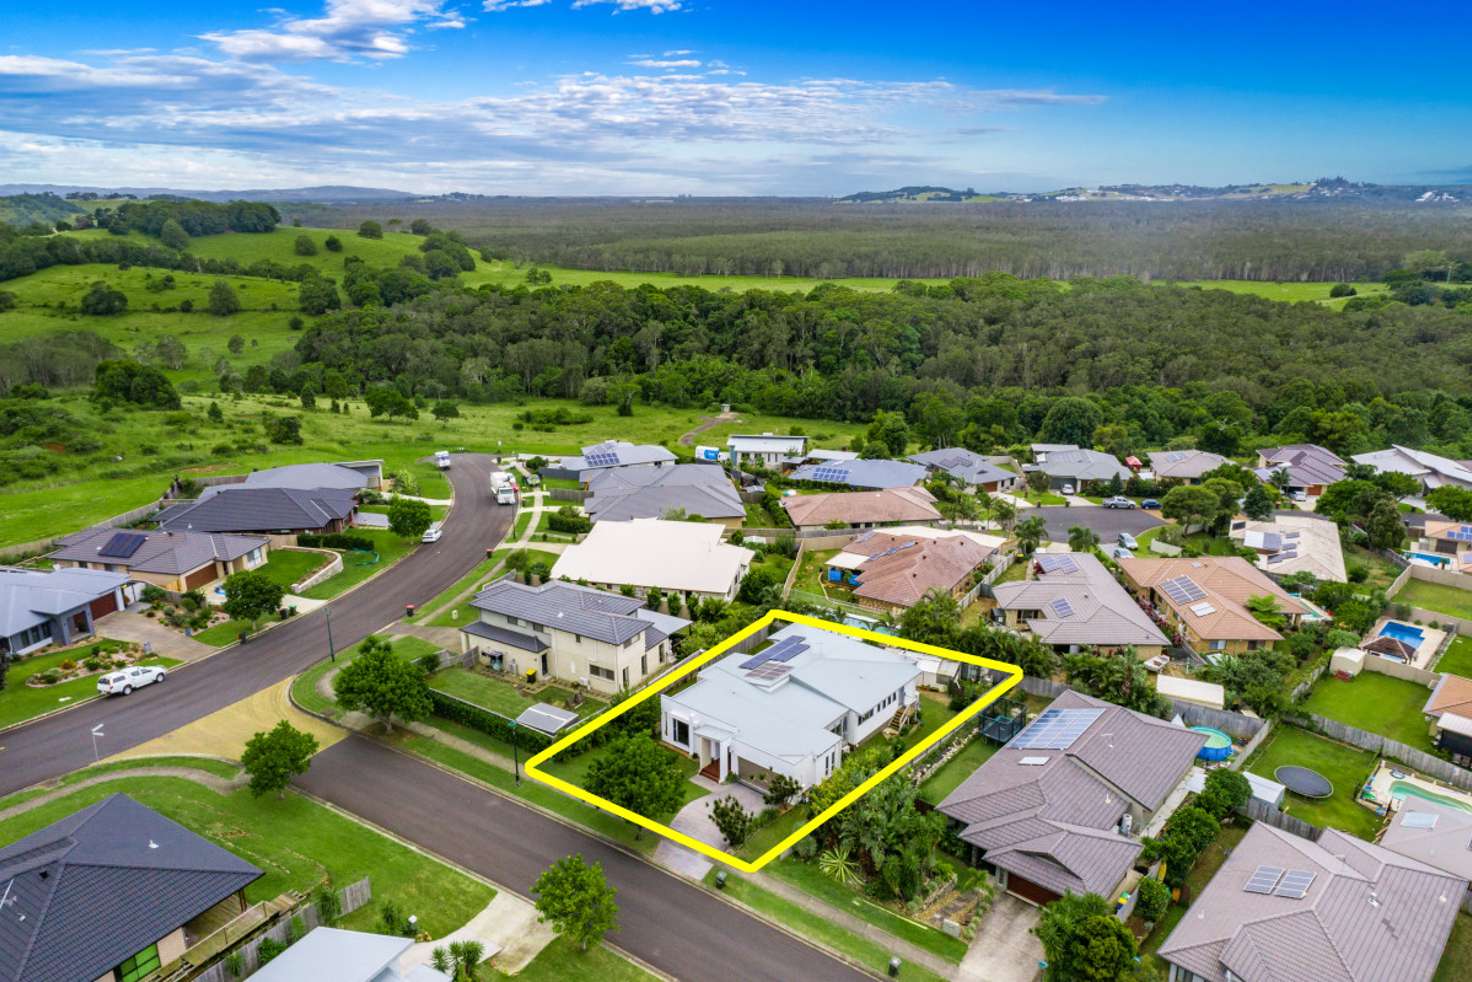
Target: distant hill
331,193
23,209
1323,189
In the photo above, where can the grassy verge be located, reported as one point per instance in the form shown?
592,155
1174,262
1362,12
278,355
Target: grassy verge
561,960
219,768
297,842
808,878
20,702
304,686
1456,960
454,616
1379,703
815,927
1434,596
390,548
1344,766
1458,658
223,633
523,519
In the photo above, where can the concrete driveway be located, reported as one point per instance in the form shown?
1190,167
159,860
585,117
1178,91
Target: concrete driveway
166,642
1107,523
1004,949
695,821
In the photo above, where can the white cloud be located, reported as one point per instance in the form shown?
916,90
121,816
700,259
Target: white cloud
376,29
620,6
664,62
497,6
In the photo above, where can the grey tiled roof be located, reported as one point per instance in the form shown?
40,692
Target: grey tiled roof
1306,463
863,473
491,632
1369,914
964,465
1054,822
1083,465
1101,612
624,493
100,885
29,597
237,508
568,607
1187,465
161,552
304,477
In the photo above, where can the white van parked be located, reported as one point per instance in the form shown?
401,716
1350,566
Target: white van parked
442,459
129,679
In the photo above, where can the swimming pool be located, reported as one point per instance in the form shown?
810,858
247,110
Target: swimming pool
1218,745
1401,790
1411,635
1429,558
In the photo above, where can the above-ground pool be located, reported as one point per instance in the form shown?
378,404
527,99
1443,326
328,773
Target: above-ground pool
1401,790
1408,633
1218,745
1429,558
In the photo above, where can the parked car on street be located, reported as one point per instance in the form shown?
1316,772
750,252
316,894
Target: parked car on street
128,679
432,534
1118,501
1150,504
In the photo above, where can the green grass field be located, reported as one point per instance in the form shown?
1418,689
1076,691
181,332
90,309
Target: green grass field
1458,658
20,702
950,775
493,694
356,565
1283,292
288,566
1434,596
1378,703
1344,766
562,960
298,844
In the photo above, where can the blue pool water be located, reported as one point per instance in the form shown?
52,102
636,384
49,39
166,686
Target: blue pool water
1412,636
1428,557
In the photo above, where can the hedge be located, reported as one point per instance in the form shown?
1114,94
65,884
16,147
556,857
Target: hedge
336,540
493,724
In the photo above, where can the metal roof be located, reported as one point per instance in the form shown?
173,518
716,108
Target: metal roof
96,887
648,552
342,956
863,473
645,491
241,508
159,552
29,597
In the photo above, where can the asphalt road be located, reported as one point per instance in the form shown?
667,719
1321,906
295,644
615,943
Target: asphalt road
63,743
1107,523
678,928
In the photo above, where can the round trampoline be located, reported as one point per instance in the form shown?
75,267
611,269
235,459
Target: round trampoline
1304,781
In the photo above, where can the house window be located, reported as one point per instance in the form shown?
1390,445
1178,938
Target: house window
1218,645
511,620
680,732
644,663
140,965
598,671
577,638
866,716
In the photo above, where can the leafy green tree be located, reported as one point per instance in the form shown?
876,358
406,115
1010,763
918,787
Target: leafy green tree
317,295
640,775
890,432
733,821
223,300
1030,532
142,385
1453,502
934,619
272,758
409,517
575,898
1384,526
383,685
1191,505
1153,896
1119,678
332,244
1084,942
251,595
282,429
172,234
1082,539
1072,419
761,586
1264,607
216,414
420,226
370,230
385,400
1225,792
1258,504
781,789
102,300
446,410
1037,481
304,245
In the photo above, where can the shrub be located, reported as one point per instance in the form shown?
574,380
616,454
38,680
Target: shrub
49,677
429,662
468,714
269,949
1153,898
567,519
329,906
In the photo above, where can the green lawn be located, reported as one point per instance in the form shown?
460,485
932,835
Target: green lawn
1458,658
772,833
1346,767
523,519
956,770
816,928
20,702
1456,960
223,633
463,612
1378,703
493,694
935,712
219,768
562,960
1382,572
297,842
288,566
358,566
562,483
304,686
807,877
1434,596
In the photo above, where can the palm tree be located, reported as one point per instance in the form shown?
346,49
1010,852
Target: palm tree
1081,539
1265,609
839,864
1030,532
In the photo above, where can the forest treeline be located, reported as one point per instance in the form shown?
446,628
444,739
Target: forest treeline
1276,241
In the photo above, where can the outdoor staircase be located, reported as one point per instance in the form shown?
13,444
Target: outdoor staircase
901,718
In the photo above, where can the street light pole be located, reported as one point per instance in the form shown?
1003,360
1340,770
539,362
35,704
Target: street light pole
331,651
96,732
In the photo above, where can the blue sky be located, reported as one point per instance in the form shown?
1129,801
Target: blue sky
727,97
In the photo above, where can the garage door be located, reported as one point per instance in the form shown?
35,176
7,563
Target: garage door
200,577
104,605
1029,891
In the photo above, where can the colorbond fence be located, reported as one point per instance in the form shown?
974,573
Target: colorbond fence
351,897
1416,759
1261,811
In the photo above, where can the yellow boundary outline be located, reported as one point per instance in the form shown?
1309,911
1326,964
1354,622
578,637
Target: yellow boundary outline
533,766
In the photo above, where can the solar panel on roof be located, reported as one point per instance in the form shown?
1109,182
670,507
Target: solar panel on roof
602,458
1202,609
1062,607
756,660
1263,880
1418,820
833,475
768,672
1058,564
1183,590
795,647
1295,884
1055,729
123,544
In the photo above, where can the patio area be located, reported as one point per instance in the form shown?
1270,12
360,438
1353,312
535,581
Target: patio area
1417,646
1390,786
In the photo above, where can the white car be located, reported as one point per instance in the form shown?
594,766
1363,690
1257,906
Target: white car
432,534
129,679
1067,489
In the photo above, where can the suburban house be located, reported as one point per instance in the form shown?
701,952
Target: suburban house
974,471
767,450
280,513
650,491
1205,600
353,475
1069,465
1431,470
1450,709
1432,833
1186,466
605,641
1072,602
1294,542
861,509
794,708
114,892
1447,541
1336,910
1309,467
1057,809
891,570
347,956
650,553
860,473
41,607
175,561
609,455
